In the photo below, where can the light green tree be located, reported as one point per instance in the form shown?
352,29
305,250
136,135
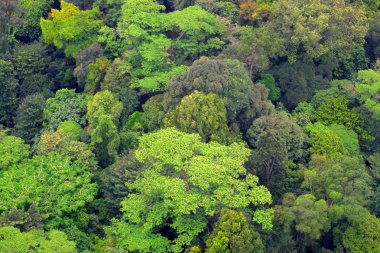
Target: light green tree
159,43
233,233
13,241
70,28
308,215
187,182
324,141
368,85
13,150
103,113
339,179
53,183
202,114
317,28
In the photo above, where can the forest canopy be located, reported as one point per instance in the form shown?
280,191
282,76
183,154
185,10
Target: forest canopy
217,126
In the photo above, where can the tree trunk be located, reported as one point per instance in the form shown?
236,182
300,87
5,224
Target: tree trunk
6,46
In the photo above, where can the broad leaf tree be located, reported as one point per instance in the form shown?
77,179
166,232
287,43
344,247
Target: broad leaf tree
70,28
186,183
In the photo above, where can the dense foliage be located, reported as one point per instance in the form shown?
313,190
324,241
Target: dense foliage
190,126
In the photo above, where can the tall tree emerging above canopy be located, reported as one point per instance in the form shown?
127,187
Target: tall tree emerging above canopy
277,139
70,28
188,181
103,113
227,79
318,27
159,43
202,114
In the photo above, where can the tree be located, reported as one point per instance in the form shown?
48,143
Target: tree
350,139
65,105
256,11
52,182
103,113
25,220
116,181
308,215
13,151
158,44
70,28
227,79
64,144
154,113
30,29
8,19
34,68
336,180
233,233
336,111
111,9
270,83
318,28
373,37
83,60
252,48
368,85
71,130
324,141
202,114
29,119
97,71
8,91
352,63
363,232
303,113
187,182
300,80
13,241
276,139
117,81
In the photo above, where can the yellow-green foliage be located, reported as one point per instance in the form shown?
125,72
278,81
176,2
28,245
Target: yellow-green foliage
70,28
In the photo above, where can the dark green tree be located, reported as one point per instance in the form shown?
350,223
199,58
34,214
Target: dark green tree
299,81
9,10
65,105
29,119
227,79
8,92
276,140
116,181
34,69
